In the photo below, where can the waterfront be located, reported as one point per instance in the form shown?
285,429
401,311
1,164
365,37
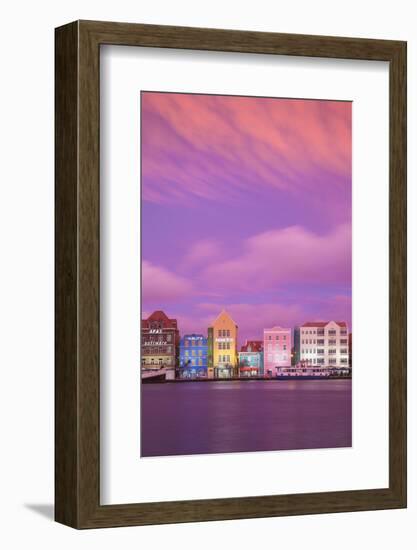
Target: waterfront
234,416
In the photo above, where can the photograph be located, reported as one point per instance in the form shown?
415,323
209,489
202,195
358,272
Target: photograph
246,273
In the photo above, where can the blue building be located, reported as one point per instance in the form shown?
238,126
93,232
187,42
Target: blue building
193,356
251,359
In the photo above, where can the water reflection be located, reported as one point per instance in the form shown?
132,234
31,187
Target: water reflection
220,417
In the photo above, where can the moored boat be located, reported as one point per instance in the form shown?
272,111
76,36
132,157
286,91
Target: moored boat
303,372
151,376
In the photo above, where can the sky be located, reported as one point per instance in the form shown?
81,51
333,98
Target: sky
246,206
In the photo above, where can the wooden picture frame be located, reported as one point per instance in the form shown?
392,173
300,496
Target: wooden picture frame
77,374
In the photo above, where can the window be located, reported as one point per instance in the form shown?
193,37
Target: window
344,341
269,337
320,352
343,332
344,351
320,361
332,361
320,342
277,337
284,337
168,338
344,361
332,342
200,353
228,333
284,347
332,332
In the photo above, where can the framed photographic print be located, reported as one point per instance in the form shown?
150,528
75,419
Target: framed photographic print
230,274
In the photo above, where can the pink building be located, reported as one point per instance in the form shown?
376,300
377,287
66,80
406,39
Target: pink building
277,349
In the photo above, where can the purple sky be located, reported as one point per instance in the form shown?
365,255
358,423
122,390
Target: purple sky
246,205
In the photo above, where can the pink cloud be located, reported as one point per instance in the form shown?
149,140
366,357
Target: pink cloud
161,285
201,253
292,254
200,145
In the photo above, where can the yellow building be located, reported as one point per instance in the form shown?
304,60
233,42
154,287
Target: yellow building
223,342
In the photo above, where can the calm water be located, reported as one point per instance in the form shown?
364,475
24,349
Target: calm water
223,417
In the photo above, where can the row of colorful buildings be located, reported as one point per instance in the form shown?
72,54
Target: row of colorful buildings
216,355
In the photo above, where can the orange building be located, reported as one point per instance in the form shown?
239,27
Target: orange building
223,343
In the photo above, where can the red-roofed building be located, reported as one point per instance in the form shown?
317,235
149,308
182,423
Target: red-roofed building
323,343
159,343
251,359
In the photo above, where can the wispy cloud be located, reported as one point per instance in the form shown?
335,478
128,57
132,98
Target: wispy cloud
216,147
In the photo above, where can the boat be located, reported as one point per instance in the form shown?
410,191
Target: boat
303,372
151,376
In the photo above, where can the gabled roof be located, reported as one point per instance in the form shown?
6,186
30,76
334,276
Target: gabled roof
159,315
224,314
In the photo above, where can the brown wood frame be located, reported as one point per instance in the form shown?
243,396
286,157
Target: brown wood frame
77,373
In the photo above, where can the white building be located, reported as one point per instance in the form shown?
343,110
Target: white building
324,344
